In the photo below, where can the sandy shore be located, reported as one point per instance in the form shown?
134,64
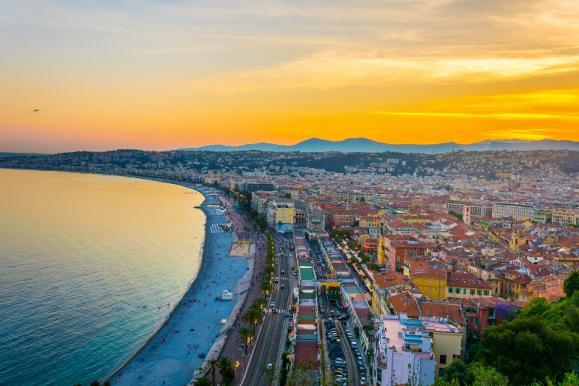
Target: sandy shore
195,328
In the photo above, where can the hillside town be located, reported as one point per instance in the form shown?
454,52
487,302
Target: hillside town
398,265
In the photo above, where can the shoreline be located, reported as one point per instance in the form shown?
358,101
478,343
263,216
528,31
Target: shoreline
159,367
189,286
195,365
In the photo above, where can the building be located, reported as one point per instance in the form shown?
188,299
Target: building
430,281
566,217
515,211
358,309
404,353
477,209
466,214
281,215
300,214
464,285
252,186
398,248
383,285
315,220
260,199
447,341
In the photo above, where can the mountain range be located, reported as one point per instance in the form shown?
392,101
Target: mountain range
365,145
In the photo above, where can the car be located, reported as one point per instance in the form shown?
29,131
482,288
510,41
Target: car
282,286
269,366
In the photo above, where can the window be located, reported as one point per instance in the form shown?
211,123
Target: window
472,291
464,291
479,292
449,290
442,360
486,292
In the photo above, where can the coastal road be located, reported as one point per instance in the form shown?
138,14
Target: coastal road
271,338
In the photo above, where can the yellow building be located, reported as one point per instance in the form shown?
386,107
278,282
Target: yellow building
516,241
285,214
447,342
281,213
566,217
431,282
380,255
370,222
465,285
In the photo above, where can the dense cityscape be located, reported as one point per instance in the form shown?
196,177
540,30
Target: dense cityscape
390,268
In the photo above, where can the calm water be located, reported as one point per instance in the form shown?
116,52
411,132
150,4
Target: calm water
90,266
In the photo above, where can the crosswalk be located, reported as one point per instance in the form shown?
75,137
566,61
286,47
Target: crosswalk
278,310
217,228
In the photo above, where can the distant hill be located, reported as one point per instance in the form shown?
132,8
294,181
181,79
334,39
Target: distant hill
365,145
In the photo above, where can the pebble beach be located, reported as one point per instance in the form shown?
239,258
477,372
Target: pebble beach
179,348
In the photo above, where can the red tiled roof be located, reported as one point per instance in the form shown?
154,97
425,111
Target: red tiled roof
405,303
466,280
444,310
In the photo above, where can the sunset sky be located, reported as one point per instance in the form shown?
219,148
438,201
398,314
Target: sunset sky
167,74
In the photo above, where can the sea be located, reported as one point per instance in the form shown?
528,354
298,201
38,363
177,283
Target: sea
90,267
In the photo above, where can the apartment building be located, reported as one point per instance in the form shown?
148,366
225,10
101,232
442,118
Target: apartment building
404,353
517,212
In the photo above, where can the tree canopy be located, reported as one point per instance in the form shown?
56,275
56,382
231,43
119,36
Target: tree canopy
540,346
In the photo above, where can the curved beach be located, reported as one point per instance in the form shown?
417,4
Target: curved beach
195,328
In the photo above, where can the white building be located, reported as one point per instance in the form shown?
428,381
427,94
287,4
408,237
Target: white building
403,353
516,211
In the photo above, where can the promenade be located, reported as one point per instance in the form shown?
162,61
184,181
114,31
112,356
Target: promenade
232,348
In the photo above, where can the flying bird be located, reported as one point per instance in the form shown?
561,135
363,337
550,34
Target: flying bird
35,110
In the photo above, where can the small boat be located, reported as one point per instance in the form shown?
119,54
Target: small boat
226,295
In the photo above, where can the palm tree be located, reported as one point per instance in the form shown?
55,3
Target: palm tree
203,382
259,303
213,367
252,316
266,286
227,370
246,335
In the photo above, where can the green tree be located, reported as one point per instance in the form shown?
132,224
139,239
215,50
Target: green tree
227,370
203,382
245,334
457,371
570,379
486,376
252,316
571,283
529,349
475,374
